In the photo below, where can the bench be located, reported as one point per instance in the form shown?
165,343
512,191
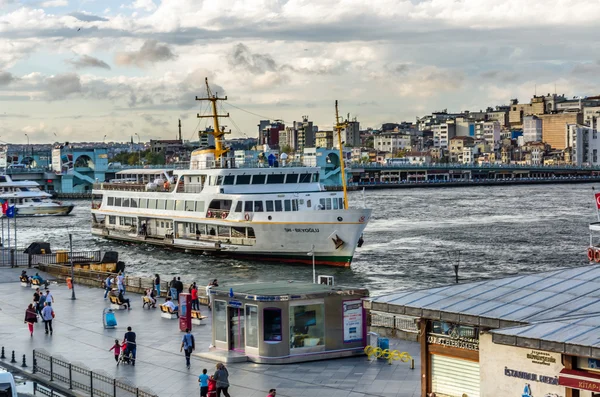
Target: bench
197,317
35,283
116,304
167,312
147,301
24,281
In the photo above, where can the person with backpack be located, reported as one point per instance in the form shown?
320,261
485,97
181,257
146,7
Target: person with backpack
189,344
41,302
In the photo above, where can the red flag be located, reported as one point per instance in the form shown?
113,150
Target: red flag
598,200
5,206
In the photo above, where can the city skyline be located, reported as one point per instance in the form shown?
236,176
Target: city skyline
81,70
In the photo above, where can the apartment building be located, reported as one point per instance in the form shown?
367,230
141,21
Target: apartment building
554,132
585,145
324,139
442,133
457,145
391,143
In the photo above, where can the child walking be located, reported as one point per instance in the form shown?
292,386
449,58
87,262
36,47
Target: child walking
117,350
203,380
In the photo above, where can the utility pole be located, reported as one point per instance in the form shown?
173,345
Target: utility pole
71,260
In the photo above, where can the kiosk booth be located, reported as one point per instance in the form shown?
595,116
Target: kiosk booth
287,322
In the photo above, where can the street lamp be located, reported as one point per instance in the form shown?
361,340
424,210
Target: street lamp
312,253
139,150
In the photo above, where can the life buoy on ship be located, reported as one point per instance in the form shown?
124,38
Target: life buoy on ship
223,215
591,254
597,256
209,214
247,216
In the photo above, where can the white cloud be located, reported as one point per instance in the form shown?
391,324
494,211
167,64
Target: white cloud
146,5
54,3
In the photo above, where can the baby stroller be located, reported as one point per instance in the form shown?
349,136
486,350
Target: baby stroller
212,387
125,358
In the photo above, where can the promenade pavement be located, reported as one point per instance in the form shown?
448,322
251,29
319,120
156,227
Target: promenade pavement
80,338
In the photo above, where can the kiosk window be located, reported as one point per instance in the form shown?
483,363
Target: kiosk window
272,324
251,326
307,326
220,322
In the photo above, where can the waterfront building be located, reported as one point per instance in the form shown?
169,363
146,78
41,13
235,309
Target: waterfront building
532,129
518,111
305,134
584,144
270,134
500,114
418,158
553,128
457,144
392,142
526,335
590,115
442,133
324,139
351,134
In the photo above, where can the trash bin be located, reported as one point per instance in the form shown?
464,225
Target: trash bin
108,318
69,282
383,343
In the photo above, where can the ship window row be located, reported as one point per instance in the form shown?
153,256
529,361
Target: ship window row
335,203
157,204
267,206
260,179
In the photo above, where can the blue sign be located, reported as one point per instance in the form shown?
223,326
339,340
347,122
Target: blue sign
236,304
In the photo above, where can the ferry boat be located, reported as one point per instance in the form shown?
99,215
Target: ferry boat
260,212
29,199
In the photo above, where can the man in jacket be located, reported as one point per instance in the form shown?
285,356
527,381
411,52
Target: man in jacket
47,316
188,344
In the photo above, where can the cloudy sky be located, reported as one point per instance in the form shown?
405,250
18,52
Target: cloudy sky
83,69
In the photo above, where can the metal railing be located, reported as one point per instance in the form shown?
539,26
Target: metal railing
16,257
398,322
78,377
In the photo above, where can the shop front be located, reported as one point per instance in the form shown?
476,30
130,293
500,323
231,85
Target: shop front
287,322
451,367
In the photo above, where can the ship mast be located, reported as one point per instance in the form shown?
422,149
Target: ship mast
218,133
339,127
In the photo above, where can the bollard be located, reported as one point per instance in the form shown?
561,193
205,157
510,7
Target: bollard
2,356
412,363
24,365
12,360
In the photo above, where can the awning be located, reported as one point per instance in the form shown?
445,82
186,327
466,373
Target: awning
577,379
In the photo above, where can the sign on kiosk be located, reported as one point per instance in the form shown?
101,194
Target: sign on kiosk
185,312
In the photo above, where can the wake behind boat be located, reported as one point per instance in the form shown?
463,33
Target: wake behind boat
29,199
217,207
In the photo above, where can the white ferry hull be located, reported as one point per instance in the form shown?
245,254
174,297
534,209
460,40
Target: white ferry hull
42,210
334,241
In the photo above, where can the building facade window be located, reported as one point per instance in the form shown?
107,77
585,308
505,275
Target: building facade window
220,323
307,325
272,327
252,326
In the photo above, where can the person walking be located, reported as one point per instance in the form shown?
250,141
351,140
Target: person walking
36,299
179,286
117,350
120,282
194,293
222,378
173,288
107,286
203,380
49,296
30,318
41,302
131,347
189,345
157,285
47,316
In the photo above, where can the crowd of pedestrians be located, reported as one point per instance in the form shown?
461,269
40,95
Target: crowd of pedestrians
41,308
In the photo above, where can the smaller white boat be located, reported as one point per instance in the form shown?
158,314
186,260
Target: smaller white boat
29,199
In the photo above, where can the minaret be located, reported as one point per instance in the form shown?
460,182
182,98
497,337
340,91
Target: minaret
180,140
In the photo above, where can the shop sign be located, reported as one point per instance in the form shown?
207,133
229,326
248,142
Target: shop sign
353,321
542,358
581,380
459,342
268,298
550,380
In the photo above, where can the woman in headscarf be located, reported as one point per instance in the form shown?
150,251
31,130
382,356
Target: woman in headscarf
30,318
